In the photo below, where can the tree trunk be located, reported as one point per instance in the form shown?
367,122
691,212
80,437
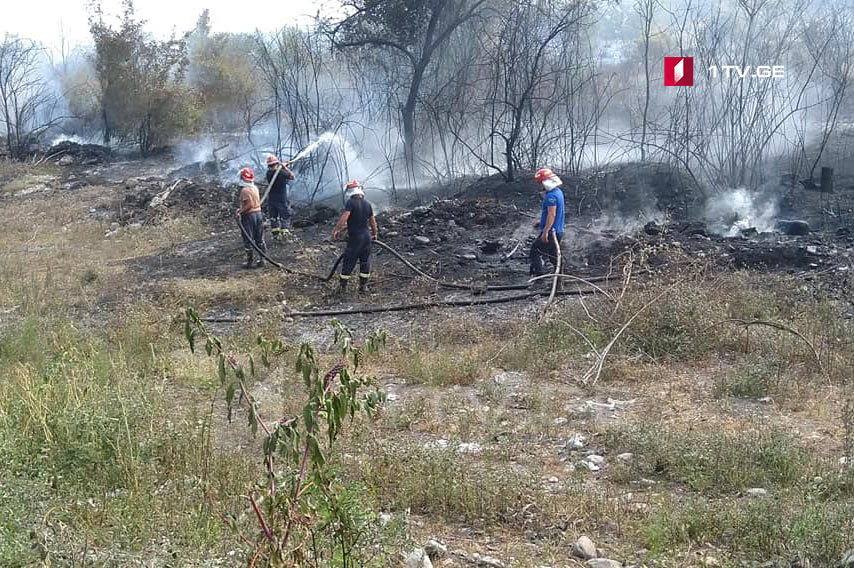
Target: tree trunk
409,116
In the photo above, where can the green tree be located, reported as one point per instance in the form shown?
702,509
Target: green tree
142,95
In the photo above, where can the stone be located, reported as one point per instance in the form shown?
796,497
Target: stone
793,227
652,228
560,421
596,459
491,247
418,558
602,563
469,448
584,548
626,457
757,492
66,161
487,561
847,559
576,442
385,519
421,240
435,550
469,256
590,465
554,479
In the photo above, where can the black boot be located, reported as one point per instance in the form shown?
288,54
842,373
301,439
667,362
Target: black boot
261,249
342,286
248,263
363,285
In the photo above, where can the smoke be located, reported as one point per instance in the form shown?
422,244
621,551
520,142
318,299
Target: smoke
73,138
736,210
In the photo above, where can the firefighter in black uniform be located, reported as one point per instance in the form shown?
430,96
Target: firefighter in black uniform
361,231
278,176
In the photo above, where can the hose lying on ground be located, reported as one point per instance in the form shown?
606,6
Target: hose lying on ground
414,269
415,306
282,267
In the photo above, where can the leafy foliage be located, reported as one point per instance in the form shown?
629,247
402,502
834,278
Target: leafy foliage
142,96
304,498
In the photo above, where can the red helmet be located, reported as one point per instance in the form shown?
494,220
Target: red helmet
353,188
542,175
247,175
272,160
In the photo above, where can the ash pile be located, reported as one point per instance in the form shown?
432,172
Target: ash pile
68,153
152,200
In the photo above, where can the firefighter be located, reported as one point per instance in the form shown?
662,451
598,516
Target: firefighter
361,231
550,226
250,217
278,175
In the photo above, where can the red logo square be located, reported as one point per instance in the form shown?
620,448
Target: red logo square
678,71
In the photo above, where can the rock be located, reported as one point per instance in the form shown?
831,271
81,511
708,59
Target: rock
422,211
469,448
602,563
847,559
590,465
560,421
66,161
793,227
418,558
584,548
452,223
487,561
757,492
491,247
421,240
626,457
435,550
391,234
596,459
652,228
469,256
439,444
576,442
385,519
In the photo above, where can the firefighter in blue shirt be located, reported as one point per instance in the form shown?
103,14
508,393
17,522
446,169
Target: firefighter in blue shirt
550,227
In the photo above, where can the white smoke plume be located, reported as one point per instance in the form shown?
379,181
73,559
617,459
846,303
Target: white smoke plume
735,210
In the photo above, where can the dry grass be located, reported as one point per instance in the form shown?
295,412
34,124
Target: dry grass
699,435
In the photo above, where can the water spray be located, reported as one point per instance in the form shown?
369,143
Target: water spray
322,139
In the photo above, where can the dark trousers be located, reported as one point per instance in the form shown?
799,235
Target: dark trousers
253,230
280,215
358,249
548,250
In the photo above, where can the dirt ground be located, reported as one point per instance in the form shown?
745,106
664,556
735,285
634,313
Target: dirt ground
91,226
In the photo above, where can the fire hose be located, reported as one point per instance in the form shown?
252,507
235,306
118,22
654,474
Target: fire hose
450,285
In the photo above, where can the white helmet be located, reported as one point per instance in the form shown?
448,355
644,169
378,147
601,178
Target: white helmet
353,188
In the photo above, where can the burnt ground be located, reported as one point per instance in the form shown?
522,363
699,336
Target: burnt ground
649,211
644,210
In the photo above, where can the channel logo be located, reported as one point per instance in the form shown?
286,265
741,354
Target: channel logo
678,71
